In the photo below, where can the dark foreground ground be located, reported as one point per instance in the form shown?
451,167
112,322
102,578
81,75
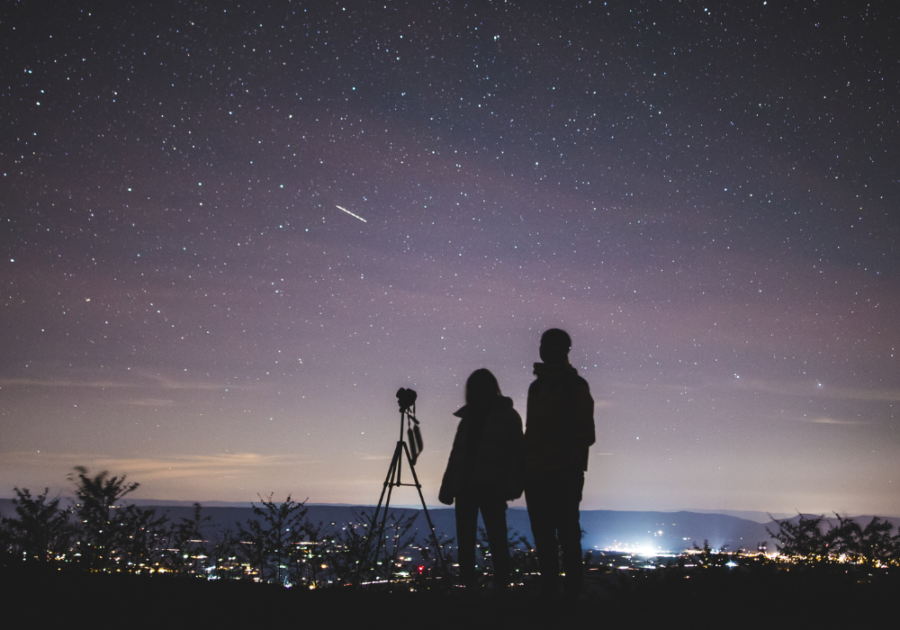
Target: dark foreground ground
711,598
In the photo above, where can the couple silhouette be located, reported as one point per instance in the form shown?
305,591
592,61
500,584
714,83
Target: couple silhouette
493,462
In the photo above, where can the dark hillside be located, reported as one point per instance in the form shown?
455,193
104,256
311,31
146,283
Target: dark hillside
714,598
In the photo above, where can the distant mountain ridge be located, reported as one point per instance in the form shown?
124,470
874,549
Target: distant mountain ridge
648,532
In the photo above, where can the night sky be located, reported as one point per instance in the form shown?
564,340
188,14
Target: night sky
705,199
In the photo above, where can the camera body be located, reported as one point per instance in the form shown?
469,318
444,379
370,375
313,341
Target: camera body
406,398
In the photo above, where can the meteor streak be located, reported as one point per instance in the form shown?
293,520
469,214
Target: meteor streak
351,214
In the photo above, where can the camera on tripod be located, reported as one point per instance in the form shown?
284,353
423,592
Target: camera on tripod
406,398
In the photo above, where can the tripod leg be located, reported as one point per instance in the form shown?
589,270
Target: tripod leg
437,546
378,534
388,482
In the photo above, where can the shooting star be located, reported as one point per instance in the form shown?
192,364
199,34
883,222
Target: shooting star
351,214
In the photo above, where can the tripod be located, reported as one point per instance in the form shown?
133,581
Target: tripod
393,479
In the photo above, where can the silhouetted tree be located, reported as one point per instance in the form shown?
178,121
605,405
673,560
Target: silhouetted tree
843,539
876,545
186,541
42,530
139,540
272,542
348,550
398,535
97,496
251,547
225,555
803,539
309,562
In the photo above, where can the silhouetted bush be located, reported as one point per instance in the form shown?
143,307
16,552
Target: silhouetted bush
808,541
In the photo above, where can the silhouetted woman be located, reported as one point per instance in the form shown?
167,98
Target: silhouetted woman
484,472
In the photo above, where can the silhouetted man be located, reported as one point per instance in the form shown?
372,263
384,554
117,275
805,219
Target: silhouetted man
559,428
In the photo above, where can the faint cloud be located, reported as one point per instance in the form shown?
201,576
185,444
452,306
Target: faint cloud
835,421
148,402
140,379
814,388
153,468
167,382
59,382
226,464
